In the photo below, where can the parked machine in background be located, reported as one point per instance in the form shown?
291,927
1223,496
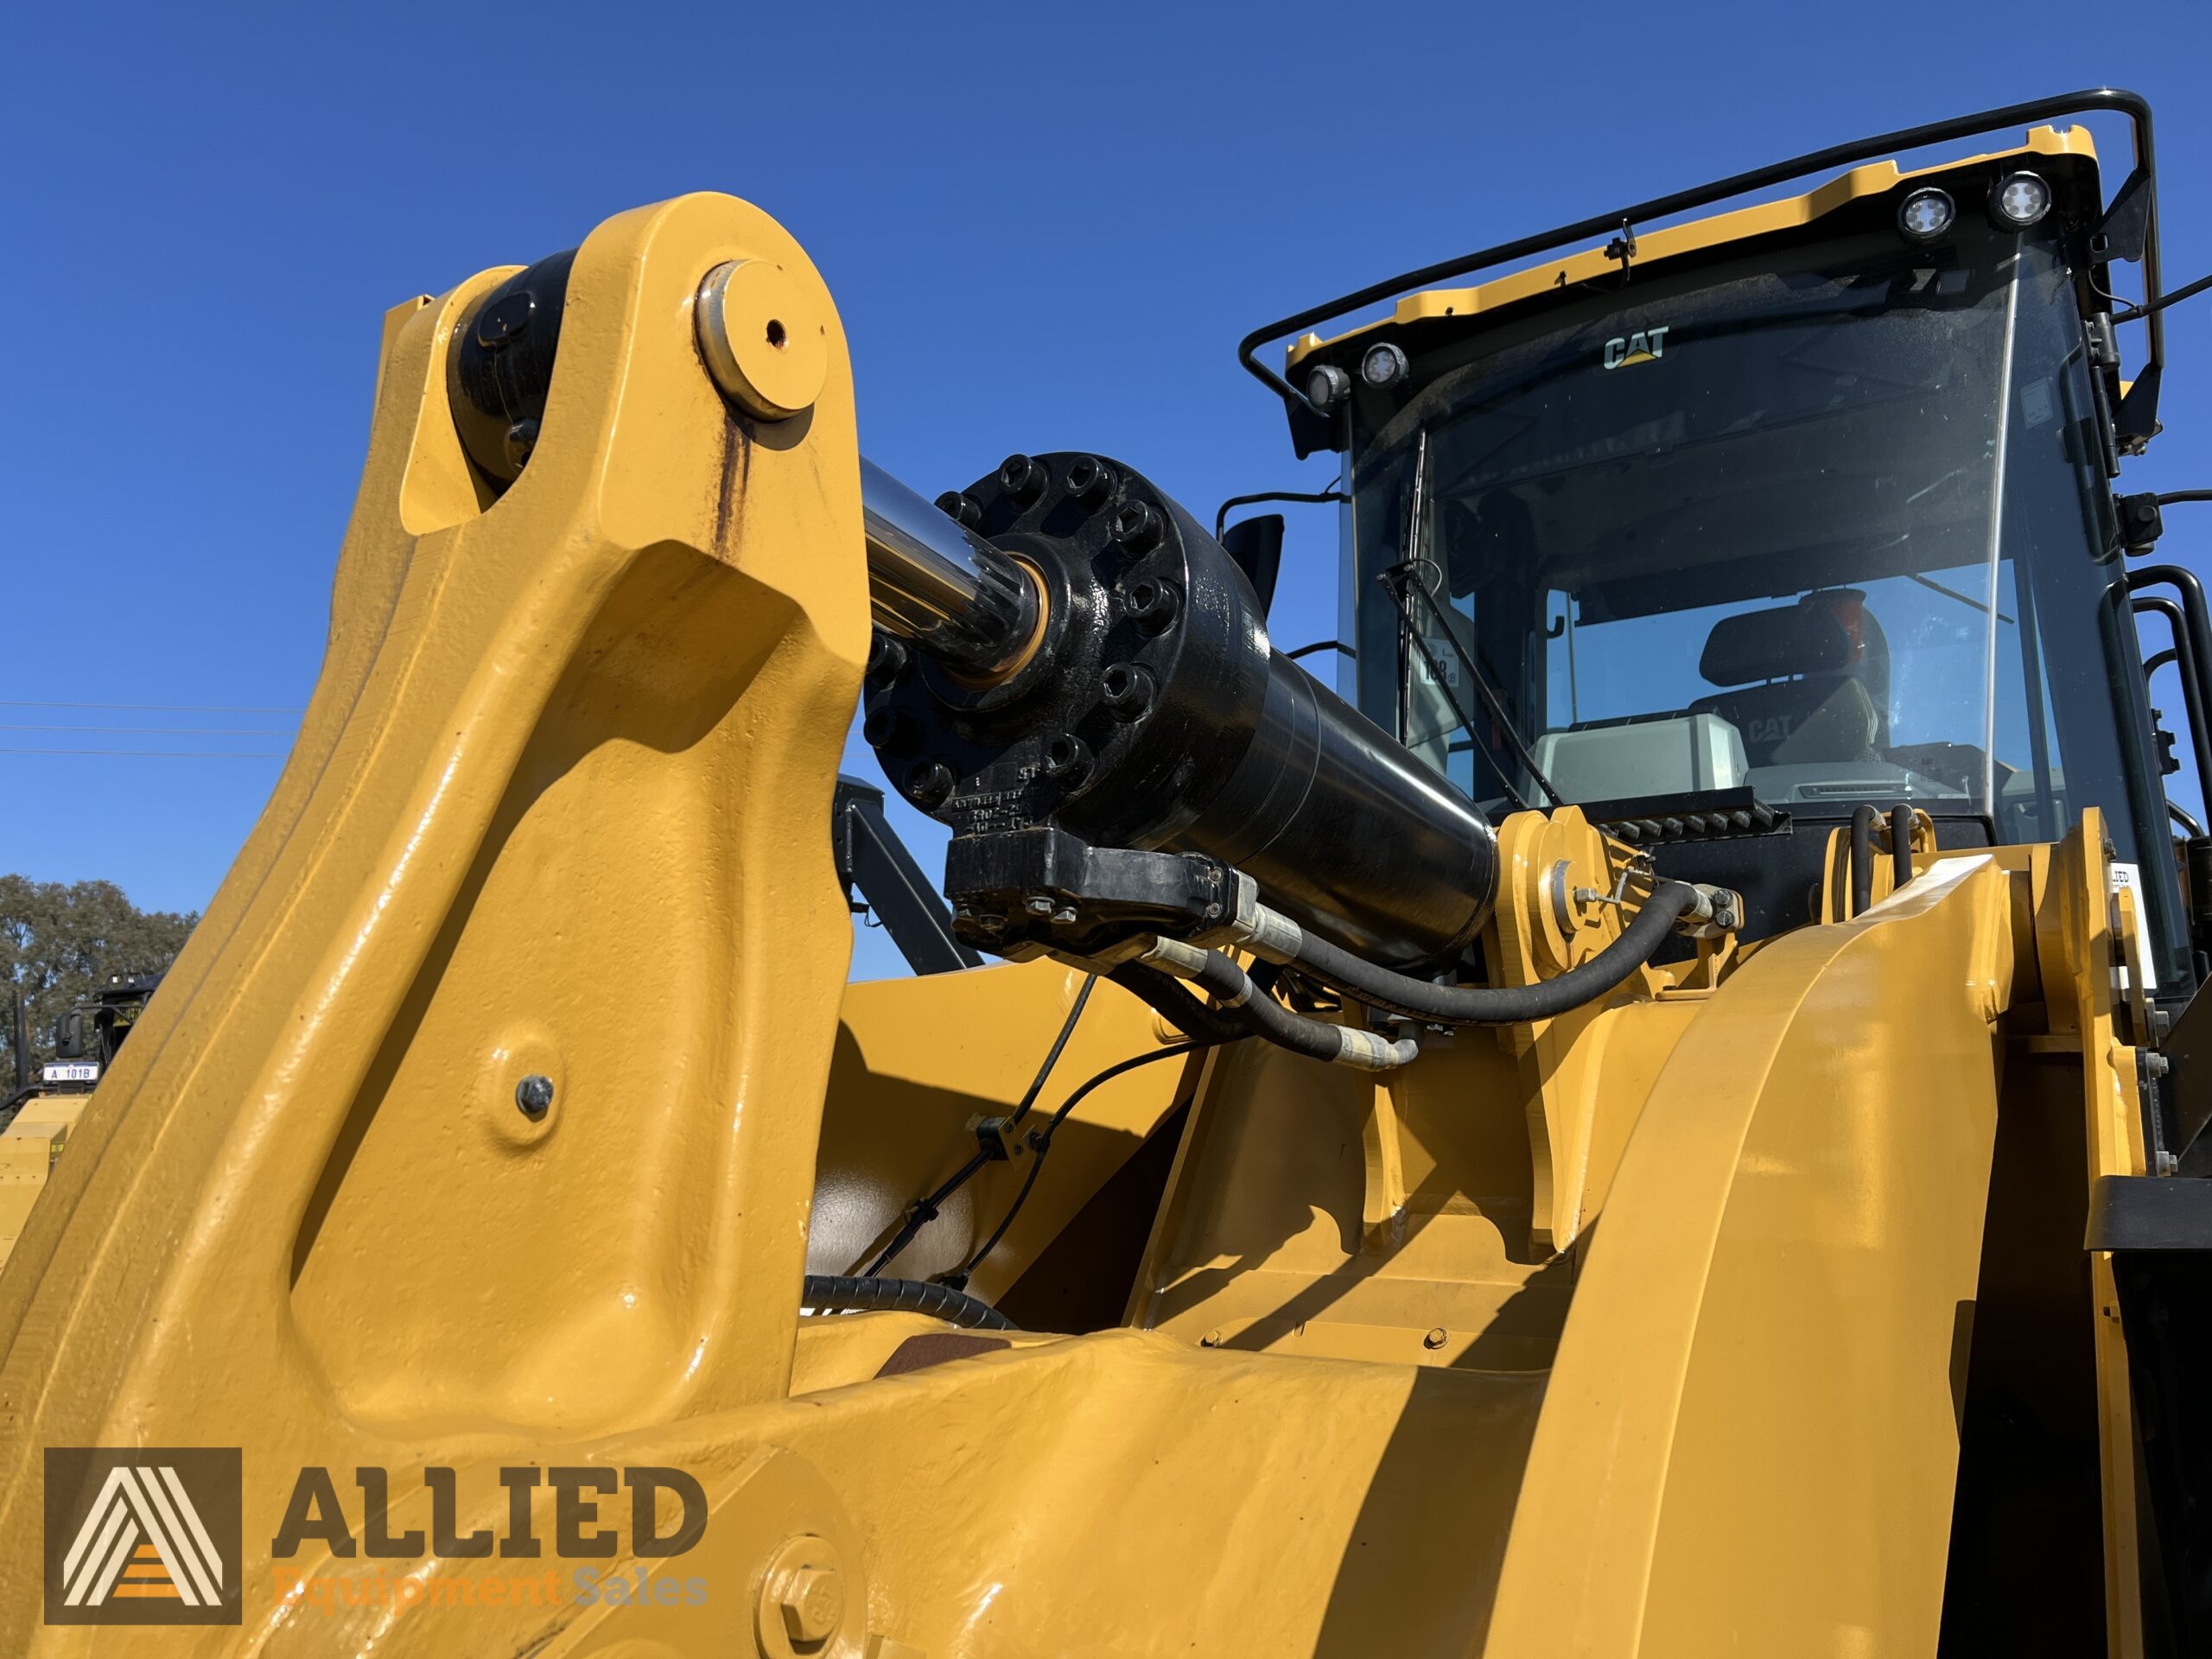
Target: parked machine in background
35,1122
1661,1116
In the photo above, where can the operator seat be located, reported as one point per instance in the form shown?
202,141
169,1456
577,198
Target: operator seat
1800,697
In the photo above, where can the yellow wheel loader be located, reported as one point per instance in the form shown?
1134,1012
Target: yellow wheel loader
1664,1121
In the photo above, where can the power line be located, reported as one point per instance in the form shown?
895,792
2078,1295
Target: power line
169,754
165,731
152,707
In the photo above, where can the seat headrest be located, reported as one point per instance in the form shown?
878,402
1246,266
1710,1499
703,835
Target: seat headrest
1772,645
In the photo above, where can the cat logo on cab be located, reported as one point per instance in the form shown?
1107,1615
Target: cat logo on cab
1644,346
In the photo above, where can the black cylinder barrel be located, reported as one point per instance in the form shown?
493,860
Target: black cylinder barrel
1156,715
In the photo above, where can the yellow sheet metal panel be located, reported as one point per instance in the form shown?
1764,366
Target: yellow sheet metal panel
2083,945
28,1148
1749,1442
1270,1238
918,1060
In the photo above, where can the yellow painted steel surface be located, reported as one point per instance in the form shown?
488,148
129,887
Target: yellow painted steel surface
1635,1332
29,1147
917,1060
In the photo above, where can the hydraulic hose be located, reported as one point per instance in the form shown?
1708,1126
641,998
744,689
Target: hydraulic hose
1245,1005
1175,1005
1862,859
1467,1004
1901,844
903,1296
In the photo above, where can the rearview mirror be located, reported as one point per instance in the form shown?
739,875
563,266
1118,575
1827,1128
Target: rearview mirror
1255,547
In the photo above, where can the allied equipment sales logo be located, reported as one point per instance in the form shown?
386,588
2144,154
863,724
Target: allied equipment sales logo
151,1536
145,1534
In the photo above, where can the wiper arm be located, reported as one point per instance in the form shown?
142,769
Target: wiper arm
1967,599
1403,582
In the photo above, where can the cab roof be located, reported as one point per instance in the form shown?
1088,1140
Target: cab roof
2125,229
1485,300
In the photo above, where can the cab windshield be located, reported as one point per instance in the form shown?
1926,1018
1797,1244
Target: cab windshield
1837,532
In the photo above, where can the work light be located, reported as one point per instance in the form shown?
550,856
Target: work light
2018,200
1926,214
1383,366
1327,386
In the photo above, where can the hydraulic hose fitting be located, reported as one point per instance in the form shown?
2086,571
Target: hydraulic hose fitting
1714,913
1247,1005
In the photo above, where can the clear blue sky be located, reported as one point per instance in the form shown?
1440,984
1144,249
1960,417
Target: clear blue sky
1045,228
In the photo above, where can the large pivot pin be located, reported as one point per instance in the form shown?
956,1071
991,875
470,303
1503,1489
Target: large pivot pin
764,343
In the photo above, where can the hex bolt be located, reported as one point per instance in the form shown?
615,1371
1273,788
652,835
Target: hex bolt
812,1601
1153,604
522,440
1089,480
929,782
886,657
886,727
2152,1063
1067,758
1023,479
1037,905
1137,527
961,508
1434,1339
534,1095
803,1599
1126,690
499,325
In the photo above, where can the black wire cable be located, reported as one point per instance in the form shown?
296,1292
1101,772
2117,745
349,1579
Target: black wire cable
924,1211
1221,519
903,1296
2163,300
2173,496
1040,1142
1052,1056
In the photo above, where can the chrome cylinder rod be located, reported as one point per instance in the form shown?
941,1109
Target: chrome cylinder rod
934,582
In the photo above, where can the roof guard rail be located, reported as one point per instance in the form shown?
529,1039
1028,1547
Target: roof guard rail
2090,101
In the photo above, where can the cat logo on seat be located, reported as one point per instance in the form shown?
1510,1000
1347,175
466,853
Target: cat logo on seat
1644,346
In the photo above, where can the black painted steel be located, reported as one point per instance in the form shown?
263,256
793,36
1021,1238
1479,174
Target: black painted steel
502,365
1157,715
871,858
2193,687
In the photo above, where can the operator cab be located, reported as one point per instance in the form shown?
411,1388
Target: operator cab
1806,507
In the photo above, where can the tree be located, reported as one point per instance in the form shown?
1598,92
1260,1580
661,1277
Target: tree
59,942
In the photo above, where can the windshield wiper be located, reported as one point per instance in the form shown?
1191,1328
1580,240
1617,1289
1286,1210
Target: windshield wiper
1963,598
1403,582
